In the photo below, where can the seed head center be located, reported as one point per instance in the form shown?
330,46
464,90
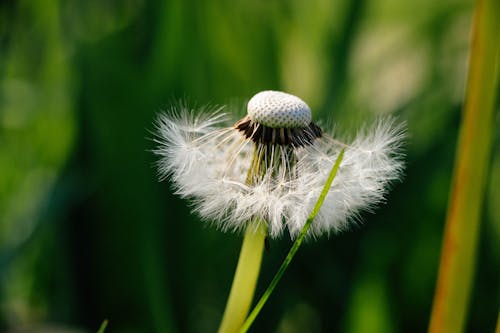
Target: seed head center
277,109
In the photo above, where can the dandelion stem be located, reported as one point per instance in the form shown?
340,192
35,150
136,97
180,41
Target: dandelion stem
248,268
294,247
245,278
473,154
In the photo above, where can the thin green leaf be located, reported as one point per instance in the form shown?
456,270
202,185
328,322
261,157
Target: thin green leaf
458,256
248,322
103,326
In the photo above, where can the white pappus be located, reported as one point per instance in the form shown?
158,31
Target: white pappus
272,165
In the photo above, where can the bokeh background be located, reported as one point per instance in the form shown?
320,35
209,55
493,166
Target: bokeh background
88,233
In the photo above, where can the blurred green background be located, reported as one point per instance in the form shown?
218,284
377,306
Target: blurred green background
86,230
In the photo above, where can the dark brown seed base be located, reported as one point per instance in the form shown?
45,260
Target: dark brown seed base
296,137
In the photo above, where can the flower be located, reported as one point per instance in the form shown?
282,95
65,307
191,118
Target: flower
272,165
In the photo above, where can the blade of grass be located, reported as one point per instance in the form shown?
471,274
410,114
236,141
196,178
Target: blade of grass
103,326
473,154
497,329
248,322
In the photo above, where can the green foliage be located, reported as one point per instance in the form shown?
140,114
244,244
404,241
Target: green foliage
458,254
295,246
86,230
102,329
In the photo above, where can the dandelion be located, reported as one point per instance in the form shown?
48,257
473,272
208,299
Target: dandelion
264,175
271,166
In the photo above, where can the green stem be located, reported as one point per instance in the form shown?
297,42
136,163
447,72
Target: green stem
471,166
497,329
103,326
245,278
295,246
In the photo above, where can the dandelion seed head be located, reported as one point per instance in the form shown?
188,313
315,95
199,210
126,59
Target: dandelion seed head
278,118
277,109
236,174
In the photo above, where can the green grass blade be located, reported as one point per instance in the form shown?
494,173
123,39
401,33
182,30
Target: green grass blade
248,322
103,326
458,254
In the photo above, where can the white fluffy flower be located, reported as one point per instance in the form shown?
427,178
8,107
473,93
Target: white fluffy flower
272,165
